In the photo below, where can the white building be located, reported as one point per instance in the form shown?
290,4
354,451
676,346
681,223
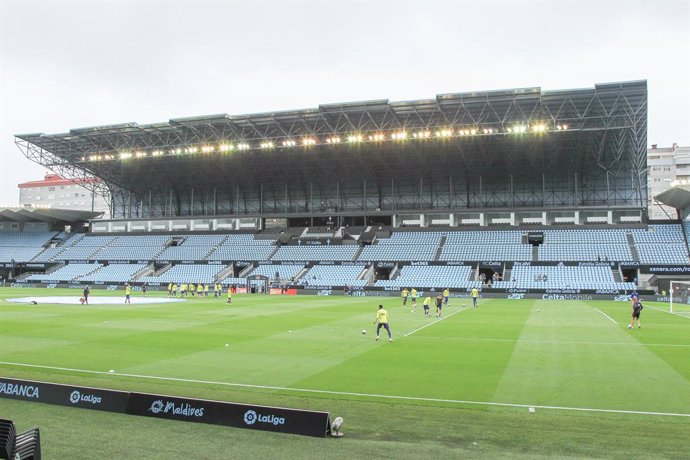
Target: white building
665,165
55,192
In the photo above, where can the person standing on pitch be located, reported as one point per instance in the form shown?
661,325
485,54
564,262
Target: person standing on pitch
382,321
128,293
475,295
413,294
229,301
404,294
446,295
86,293
439,305
636,309
426,304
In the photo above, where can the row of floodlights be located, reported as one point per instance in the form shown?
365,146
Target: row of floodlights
309,141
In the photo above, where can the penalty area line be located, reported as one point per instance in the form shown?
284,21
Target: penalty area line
434,322
614,321
669,312
362,395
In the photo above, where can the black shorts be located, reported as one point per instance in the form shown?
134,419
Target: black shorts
636,314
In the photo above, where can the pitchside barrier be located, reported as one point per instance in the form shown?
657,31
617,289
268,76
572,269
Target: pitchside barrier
266,418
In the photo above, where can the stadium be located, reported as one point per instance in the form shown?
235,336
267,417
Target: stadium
311,218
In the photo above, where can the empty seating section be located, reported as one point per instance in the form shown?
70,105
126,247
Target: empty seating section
22,246
113,273
597,236
485,245
439,277
243,247
314,253
142,247
186,273
83,248
67,273
334,275
285,272
661,244
562,277
585,245
414,246
506,252
584,252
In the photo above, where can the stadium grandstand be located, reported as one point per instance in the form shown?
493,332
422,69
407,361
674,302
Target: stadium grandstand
518,190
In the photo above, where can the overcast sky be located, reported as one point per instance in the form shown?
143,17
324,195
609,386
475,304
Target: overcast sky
72,64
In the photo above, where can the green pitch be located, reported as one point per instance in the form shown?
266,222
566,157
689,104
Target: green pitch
458,386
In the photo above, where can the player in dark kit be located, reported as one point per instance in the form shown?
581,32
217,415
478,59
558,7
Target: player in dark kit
636,310
439,305
85,295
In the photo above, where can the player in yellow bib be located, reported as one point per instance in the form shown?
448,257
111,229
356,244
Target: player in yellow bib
426,304
382,321
413,294
229,301
128,293
446,295
475,295
404,294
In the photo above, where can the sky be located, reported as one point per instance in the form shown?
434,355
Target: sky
73,64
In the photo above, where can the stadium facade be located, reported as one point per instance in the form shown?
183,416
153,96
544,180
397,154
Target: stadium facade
528,192
498,157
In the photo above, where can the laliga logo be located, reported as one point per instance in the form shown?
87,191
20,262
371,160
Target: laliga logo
250,417
76,397
156,407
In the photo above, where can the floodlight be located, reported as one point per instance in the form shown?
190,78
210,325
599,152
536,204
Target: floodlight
243,146
266,145
565,127
355,138
225,147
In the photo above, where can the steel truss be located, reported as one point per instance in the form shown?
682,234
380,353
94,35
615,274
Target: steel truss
599,161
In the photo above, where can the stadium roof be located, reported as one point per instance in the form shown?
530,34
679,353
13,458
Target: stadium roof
50,215
546,135
677,197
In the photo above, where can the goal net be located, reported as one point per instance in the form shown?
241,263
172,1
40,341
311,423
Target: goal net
679,297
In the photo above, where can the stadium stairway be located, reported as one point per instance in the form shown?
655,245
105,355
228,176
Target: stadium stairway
228,271
441,243
633,248
617,276
357,254
507,273
535,253
369,275
98,267
273,253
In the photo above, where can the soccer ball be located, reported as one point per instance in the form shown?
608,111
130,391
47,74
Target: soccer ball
82,300
335,427
629,326
364,332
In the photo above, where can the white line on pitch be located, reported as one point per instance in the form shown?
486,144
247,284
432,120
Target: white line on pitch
434,322
614,321
666,311
348,393
556,342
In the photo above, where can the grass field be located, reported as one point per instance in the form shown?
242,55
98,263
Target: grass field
456,387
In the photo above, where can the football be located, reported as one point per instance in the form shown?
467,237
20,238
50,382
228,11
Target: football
364,332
